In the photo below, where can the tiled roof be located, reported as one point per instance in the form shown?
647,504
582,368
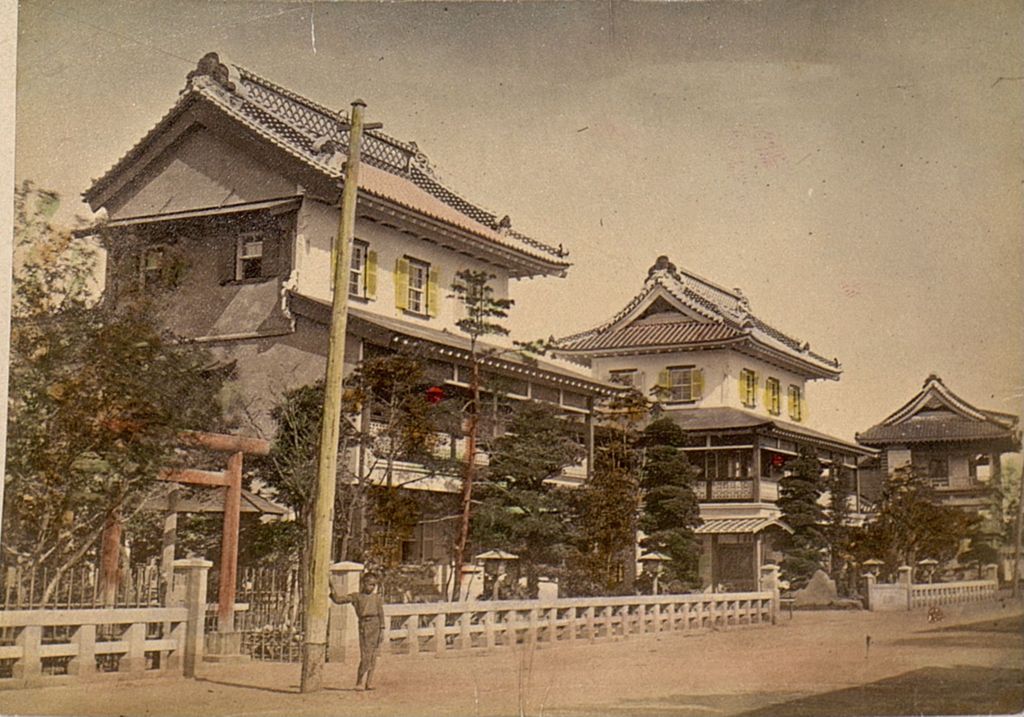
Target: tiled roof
708,304
394,170
724,418
936,414
659,334
718,526
408,334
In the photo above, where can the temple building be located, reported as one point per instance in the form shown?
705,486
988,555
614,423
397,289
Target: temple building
737,387
228,208
956,446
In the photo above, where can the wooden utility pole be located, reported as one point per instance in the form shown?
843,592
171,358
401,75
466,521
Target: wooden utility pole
1017,535
314,648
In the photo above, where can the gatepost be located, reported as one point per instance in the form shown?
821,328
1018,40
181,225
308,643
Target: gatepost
190,592
905,580
869,586
770,583
991,573
342,624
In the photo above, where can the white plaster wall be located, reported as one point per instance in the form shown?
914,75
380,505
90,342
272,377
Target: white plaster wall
317,226
721,376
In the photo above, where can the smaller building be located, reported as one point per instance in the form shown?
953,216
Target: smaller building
945,439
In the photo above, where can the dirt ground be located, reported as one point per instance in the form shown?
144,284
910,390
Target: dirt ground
817,663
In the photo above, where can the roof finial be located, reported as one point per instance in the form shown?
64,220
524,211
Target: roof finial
211,66
662,263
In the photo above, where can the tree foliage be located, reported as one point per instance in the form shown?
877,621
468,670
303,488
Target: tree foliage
799,493
670,510
519,510
911,525
98,396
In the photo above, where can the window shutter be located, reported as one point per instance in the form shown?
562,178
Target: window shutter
792,403
767,395
744,396
803,409
432,300
227,248
271,262
402,284
664,381
371,275
697,379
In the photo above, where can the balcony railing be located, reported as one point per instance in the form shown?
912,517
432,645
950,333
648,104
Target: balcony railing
724,490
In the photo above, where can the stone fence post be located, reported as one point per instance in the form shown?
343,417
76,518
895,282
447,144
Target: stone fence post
869,586
189,591
905,579
342,624
769,582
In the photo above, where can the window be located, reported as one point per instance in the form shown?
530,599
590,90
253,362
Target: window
682,383
249,264
796,408
748,388
773,396
357,275
627,377
419,275
152,266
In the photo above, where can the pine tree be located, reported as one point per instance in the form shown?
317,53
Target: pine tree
799,492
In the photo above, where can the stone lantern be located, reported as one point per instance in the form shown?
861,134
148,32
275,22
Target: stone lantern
495,564
654,565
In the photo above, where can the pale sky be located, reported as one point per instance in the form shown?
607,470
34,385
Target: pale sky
857,168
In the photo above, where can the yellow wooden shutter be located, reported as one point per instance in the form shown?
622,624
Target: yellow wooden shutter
768,394
792,402
664,381
753,387
697,380
402,284
433,303
371,274
744,395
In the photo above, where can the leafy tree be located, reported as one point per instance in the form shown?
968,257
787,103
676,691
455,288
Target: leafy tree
911,525
607,506
519,510
98,397
482,312
799,493
670,509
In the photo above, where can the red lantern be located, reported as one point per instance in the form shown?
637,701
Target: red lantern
435,394
778,460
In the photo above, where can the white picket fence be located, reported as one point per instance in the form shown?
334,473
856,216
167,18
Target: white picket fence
434,628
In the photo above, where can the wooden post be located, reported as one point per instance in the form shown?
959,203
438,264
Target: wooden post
591,624
552,624
589,426
314,648
343,625
412,632
755,467
489,640
229,545
135,658
465,630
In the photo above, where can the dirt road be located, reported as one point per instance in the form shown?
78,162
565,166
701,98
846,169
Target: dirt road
817,663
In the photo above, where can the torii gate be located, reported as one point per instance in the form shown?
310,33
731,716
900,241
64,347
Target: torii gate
231,480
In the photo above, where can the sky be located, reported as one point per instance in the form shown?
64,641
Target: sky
857,168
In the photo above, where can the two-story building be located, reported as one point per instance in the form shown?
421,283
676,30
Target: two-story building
951,443
229,206
737,386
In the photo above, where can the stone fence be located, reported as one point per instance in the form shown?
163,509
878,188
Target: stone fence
436,628
45,647
905,594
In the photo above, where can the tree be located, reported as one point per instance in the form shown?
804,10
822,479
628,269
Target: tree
386,413
472,289
98,397
837,526
607,505
670,510
519,510
911,525
799,492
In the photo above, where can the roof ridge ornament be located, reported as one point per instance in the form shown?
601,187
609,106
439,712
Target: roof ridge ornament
663,264
210,66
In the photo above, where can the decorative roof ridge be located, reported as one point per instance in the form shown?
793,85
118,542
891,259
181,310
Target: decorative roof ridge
934,387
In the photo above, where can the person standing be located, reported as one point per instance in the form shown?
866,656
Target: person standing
369,607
